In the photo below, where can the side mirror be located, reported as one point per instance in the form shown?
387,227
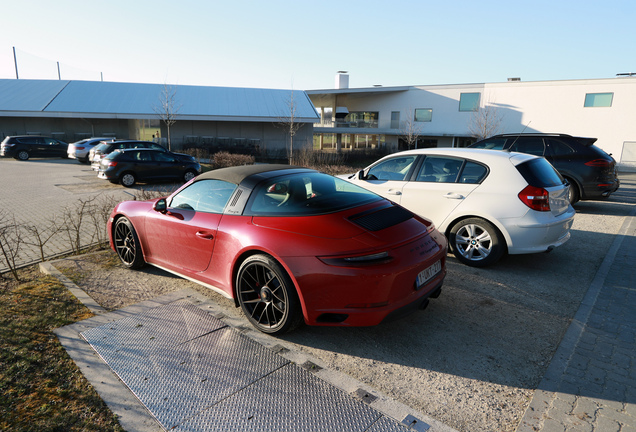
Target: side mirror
361,175
161,206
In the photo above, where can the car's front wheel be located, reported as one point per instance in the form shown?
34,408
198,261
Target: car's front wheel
476,242
22,155
267,295
127,244
189,175
127,179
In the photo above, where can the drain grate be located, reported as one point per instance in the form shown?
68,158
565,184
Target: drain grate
193,373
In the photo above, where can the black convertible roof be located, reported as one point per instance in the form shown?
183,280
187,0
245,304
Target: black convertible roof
238,174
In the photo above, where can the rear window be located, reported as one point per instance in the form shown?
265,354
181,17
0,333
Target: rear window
306,195
540,173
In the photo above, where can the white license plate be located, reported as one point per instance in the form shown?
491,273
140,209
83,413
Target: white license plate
428,273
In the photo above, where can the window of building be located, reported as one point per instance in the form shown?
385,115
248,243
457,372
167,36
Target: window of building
423,115
469,101
395,119
598,99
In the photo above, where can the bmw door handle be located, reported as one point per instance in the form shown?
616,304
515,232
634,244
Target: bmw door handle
452,195
394,192
205,235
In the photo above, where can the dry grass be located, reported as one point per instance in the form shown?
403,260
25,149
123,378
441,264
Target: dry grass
41,389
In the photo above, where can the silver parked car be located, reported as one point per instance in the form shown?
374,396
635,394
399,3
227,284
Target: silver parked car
80,150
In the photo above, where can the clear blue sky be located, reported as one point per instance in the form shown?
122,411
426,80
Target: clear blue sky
301,45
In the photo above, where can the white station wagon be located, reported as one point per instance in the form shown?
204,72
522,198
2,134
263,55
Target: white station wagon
488,203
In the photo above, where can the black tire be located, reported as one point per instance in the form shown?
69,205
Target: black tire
476,242
127,179
22,155
575,194
267,295
127,244
189,175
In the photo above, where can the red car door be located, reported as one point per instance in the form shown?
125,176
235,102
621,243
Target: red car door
183,237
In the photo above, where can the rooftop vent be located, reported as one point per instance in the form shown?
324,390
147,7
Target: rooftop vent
514,79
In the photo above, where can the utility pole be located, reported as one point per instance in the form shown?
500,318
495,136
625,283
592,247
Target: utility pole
15,60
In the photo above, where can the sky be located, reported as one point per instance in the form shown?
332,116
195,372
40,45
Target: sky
297,44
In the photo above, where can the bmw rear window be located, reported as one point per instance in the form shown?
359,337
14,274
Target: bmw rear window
540,173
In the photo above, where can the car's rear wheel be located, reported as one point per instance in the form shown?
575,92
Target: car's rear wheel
127,179
127,244
476,242
574,194
267,295
189,175
22,155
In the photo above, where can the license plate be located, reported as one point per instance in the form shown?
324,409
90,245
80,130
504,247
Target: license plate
428,273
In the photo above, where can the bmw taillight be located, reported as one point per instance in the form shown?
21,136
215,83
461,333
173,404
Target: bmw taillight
112,164
536,198
603,163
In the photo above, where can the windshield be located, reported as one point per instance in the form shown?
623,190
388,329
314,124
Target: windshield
306,194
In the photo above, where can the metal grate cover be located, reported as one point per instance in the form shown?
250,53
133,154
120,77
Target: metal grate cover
193,373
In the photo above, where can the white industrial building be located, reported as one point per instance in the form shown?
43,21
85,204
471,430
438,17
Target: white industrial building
452,115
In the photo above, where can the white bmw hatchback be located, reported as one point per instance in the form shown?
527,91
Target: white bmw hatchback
488,203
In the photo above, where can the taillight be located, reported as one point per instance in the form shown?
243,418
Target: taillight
79,148
112,164
598,163
536,198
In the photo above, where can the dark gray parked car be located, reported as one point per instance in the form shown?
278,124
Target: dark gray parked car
23,147
100,151
127,166
590,171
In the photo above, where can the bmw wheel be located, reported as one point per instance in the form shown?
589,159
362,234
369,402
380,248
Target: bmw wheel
127,244
267,295
127,179
476,242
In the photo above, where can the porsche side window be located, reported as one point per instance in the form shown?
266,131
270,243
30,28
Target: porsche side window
530,145
395,168
209,196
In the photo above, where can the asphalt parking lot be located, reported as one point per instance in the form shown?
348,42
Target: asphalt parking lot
473,359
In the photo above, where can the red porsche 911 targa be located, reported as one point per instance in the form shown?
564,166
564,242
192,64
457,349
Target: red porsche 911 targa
289,245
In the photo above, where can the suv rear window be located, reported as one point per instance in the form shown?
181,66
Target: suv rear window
540,173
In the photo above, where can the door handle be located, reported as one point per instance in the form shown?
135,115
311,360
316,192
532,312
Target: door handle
205,235
452,195
394,192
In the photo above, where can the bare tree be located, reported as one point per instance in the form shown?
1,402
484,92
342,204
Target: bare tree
10,242
168,109
40,236
485,122
289,122
411,130
75,216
